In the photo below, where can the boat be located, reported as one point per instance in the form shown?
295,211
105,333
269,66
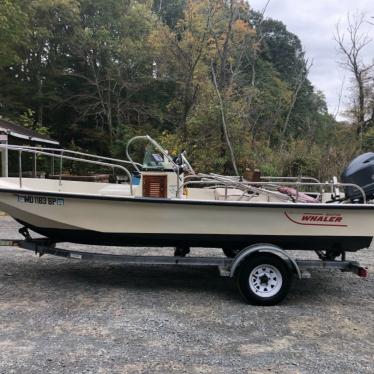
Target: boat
164,203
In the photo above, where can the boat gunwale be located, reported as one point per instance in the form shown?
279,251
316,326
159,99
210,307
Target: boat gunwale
139,199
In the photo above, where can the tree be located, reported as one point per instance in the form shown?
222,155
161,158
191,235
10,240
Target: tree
12,32
180,57
352,44
32,75
113,60
233,37
170,11
212,77
283,49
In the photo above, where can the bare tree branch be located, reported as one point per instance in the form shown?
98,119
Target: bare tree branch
339,98
351,44
223,116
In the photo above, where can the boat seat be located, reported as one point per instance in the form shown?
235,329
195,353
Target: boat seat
116,190
233,194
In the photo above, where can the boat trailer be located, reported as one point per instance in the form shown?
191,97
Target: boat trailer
263,272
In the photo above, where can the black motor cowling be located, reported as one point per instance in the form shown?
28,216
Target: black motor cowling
360,171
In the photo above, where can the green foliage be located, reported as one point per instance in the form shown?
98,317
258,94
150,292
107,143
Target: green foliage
170,11
283,49
368,140
27,120
94,73
12,31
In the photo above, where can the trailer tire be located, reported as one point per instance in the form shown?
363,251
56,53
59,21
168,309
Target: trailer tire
264,279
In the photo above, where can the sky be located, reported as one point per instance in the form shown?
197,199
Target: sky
314,22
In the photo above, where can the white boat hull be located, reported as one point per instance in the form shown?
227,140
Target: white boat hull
134,221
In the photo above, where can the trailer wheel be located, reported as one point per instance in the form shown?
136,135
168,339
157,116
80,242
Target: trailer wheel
264,279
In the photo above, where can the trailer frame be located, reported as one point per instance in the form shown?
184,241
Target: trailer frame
228,267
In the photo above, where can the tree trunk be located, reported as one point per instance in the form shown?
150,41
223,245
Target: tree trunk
40,110
224,125
39,90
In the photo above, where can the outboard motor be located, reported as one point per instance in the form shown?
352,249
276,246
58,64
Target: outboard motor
360,171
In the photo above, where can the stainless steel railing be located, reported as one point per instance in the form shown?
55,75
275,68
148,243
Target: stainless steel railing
258,187
289,179
61,157
209,180
83,154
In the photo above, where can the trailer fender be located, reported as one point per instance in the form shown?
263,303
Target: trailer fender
264,248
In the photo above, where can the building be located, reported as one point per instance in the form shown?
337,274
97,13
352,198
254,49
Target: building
13,133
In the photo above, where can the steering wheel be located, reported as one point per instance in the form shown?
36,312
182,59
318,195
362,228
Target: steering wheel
183,163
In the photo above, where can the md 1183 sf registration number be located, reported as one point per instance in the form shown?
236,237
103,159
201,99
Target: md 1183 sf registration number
40,200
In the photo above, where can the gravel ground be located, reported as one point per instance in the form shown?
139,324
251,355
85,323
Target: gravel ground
65,316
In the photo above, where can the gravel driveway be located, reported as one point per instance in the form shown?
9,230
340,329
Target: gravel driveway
65,316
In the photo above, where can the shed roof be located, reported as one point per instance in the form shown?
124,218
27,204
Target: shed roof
18,131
